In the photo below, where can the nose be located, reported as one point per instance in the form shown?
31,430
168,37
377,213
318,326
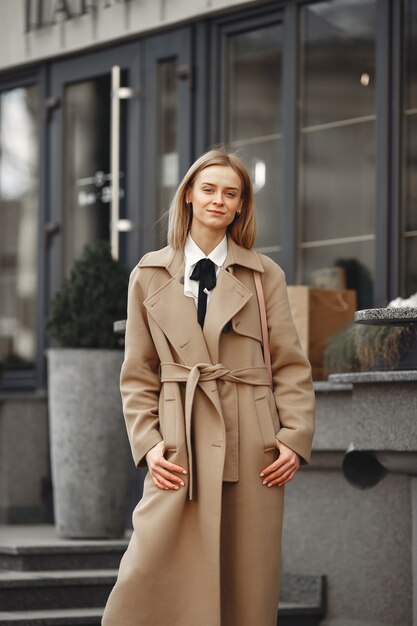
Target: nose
218,198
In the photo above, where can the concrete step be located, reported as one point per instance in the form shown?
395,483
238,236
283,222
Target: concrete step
76,556
61,617
49,581
55,589
92,617
302,600
38,548
298,620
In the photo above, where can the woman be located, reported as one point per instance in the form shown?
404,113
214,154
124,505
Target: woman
219,443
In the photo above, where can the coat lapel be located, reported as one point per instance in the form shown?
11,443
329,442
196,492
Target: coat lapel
176,314
229,296
227,299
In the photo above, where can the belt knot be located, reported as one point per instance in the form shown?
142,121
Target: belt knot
203,372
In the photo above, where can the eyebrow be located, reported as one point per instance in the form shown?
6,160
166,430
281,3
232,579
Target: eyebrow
214,185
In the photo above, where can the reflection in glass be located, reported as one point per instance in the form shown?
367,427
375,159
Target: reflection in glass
19,211
254,122
337,182
338,61
410,263
87,179
409,200
337,188
168,155
354,256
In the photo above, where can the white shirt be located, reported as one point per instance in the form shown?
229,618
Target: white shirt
193,254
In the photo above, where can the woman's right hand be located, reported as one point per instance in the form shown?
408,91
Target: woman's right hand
162,470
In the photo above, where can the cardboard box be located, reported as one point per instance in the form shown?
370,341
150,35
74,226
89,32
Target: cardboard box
318,314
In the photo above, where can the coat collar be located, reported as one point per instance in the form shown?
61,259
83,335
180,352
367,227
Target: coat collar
172,259
176,314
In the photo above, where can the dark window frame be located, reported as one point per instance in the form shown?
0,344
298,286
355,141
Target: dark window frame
176,43
31,379
222,29
205,130
388,58
397,78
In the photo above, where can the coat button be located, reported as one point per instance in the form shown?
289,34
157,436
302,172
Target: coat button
182,280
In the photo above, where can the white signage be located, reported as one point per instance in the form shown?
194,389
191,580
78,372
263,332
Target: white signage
44,13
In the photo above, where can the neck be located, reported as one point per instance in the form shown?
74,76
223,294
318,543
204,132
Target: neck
207,240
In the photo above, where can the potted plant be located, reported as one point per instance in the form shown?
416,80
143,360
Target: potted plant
90,456
360,348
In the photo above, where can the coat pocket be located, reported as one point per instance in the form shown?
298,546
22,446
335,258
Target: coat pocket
169,424
266,425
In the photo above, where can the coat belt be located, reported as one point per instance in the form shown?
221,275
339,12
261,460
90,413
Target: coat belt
203,372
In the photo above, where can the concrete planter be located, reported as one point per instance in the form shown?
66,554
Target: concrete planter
90,455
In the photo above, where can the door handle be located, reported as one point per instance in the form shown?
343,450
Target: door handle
185,72
117,93
50,230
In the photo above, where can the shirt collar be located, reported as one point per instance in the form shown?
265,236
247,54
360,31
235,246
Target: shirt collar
193,253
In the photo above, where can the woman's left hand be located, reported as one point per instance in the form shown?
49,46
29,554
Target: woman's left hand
283,469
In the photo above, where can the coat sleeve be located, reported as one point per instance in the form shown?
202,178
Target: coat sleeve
291,371
139,378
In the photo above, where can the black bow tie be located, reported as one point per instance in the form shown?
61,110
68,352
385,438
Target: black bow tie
205,273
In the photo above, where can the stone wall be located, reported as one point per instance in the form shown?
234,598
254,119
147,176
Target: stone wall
25,485
363,541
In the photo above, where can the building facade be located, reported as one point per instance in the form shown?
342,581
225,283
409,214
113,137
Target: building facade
106,102
319,98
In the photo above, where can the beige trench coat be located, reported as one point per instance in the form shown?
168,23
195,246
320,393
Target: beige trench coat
209,554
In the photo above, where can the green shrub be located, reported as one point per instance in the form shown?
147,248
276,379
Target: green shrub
83,311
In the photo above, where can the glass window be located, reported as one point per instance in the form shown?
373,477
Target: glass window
168,154
337,182
409,218
87,177
19,215
253,121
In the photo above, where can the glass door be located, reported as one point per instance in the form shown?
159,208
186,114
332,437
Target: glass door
251,65
337,155
168,86
92,117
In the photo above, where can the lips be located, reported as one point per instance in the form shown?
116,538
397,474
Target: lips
215,212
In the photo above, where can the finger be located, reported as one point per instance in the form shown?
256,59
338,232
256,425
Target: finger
282,462
159,485
291,466
282,479
171,466
160,466
166,483
168,476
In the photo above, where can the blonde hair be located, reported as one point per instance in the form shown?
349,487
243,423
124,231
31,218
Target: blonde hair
242,229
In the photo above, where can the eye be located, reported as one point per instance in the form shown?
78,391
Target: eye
231,194
207,189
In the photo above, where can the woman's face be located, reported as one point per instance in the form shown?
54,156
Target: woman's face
216,196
